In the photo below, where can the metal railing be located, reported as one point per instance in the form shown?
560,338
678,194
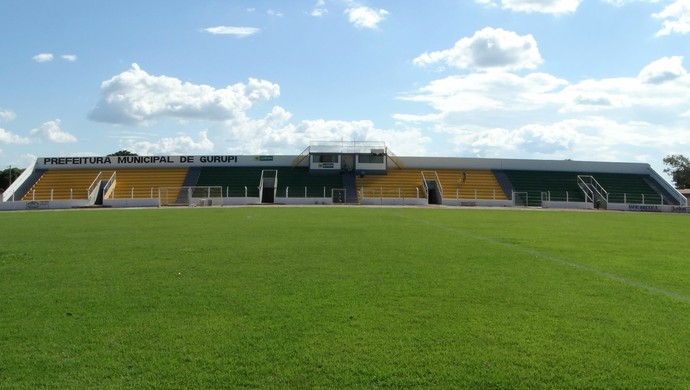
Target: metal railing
392,193
395,159
301,157
268,176
92,191
591,188
109,187
432,177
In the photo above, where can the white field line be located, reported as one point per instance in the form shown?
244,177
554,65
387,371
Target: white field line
518,248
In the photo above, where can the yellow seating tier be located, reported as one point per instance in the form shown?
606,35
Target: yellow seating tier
469,184
456,184
398,183
144,183
62,184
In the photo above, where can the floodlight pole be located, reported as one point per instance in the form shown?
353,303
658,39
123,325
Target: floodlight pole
10,179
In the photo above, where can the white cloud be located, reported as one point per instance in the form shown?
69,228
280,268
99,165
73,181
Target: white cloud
535,138
26,159
542,116
69,57
43,57
650,96
407,142
275,134
272,12
486,3
7,115
135,97
319,9
504,95
490,92
8,138
542,6
182,144
676,18
50,132
365,17
402,142
586,138
229,30
620,3
663,70
488,49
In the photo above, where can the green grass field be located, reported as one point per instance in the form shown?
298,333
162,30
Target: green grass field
327,297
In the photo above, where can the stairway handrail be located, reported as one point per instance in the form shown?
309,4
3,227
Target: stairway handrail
593,186
261,183
438,183
109,187
297,160
395,159
92,191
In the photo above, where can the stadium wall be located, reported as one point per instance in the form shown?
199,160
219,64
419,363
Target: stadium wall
114,162
567,205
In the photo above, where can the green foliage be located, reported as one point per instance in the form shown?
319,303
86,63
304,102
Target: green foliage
8,175
123,153
343,298
679,168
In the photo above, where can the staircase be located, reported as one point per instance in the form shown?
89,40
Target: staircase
432,187
594,192
189,181
350,186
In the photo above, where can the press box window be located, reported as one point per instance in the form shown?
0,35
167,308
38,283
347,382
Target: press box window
370,159
325,158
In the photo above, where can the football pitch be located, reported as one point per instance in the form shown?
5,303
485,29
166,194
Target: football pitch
351,297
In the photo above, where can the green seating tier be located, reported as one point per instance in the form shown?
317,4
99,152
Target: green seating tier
562,186
236,180
628,188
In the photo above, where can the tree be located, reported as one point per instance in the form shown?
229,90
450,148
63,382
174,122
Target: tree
9,175
123,153
679,168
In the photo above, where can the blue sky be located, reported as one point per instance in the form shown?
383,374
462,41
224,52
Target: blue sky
602,80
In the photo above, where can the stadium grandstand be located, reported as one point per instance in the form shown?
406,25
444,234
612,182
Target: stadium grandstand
363,173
